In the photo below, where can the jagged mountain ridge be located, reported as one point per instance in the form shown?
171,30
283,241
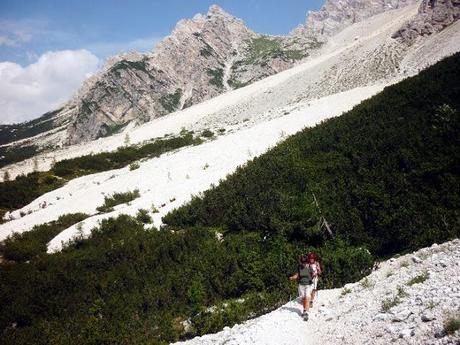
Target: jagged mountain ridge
335,15
220,53
202,58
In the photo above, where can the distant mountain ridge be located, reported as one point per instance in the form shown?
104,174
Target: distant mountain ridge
202,58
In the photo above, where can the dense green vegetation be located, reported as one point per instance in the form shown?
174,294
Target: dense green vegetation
25,188
25,246
117,199
10,155
382,177
386,174
127,285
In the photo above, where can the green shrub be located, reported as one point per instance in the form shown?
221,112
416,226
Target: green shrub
401,292
117,199
366,283
143,216
207,133
134,166
123,279
404,264
345,291
452,324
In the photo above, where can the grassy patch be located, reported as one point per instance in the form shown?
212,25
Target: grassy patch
125,64
404,264
236,84
401,293
264,48
389,303
118,199
418,279
366,283
206,51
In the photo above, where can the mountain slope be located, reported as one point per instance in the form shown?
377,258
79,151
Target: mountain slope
133,285
359,55
185,68
260,109
221,54
383,174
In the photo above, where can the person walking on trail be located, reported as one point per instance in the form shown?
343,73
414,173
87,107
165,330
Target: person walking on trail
305,277
316,270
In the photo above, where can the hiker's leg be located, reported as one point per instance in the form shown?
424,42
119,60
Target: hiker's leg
301,294
306,303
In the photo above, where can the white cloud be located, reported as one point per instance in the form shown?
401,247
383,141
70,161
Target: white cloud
15,33
28,92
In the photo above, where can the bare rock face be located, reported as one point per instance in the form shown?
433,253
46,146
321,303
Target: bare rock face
433,16
202,58
338,14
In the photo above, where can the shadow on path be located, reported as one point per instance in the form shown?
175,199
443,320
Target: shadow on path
294,310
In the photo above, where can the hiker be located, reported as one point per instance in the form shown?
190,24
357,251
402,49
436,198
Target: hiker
305,277
316,270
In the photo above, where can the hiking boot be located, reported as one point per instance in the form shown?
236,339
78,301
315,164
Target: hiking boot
305,315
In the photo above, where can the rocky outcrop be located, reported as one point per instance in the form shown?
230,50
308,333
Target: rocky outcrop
335,15
203,57
433,16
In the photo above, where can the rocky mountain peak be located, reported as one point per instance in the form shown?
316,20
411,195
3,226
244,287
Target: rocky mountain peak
217,11
433,16
338,14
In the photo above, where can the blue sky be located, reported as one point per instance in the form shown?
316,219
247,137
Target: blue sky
107,27
49,47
